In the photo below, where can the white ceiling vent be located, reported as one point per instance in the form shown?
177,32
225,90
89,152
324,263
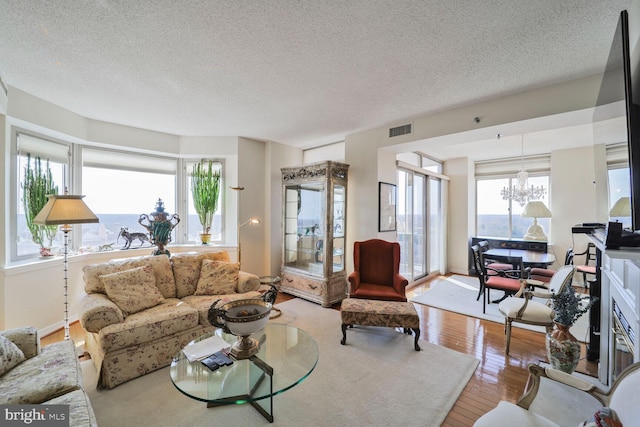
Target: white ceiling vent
400,130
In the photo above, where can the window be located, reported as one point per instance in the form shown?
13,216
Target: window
500,218
619,179
121,186
56,157
193,225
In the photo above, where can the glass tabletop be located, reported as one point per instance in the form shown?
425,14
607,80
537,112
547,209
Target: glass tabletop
287,356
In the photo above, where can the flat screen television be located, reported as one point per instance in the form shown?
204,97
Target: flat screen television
620,95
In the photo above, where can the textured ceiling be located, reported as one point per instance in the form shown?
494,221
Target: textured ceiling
302,73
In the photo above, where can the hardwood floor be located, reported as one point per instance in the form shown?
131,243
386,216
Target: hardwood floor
498,376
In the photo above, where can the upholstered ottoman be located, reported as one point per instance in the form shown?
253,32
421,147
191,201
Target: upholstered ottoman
393,314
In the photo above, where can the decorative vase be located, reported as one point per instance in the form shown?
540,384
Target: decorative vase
205,238
563,349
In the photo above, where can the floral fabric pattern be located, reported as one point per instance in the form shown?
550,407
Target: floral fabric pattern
355,311
186,270
123,346
10,355
80,411
132,290
52,373
217,278
26,338
97,312
161,269
168,318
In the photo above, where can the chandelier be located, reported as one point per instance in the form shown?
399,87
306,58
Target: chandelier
521,192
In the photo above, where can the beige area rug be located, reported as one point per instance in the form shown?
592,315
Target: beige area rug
458,293
376,379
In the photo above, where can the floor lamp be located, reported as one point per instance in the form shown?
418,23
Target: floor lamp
65,210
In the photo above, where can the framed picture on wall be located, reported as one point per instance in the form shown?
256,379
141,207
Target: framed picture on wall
386,207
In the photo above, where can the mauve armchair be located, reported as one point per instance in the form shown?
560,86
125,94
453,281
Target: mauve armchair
376,274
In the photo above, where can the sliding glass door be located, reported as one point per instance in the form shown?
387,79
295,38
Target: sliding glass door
419,223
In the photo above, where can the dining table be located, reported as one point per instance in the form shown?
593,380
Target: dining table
513,256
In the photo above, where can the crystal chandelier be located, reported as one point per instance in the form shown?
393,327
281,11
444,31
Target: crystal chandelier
521,192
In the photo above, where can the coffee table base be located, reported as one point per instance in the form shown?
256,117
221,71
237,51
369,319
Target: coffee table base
263,406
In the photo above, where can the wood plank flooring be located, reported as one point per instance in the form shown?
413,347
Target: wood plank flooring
498,376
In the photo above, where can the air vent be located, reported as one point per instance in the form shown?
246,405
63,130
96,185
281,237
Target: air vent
400,130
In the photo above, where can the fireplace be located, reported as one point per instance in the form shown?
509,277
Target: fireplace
623,343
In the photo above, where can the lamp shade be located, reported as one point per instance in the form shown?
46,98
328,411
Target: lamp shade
536,209
65,209
622,207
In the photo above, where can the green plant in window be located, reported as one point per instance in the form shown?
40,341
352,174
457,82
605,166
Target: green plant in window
36,184
205,189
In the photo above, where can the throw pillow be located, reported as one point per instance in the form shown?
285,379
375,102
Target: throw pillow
217,278
132,290
10,355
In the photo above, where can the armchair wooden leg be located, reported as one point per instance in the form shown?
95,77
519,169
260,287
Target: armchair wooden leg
507,325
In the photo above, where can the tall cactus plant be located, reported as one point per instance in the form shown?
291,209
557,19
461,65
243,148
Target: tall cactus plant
36,184
205,189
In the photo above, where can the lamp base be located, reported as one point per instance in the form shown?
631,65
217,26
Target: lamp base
535,232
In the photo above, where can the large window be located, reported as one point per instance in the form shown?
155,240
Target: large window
193,225
119,187
52,155
501,218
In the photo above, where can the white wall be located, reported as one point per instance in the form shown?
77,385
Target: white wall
461,221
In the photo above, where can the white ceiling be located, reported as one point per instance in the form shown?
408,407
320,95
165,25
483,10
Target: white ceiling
300,72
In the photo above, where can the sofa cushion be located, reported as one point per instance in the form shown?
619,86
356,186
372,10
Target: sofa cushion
217,277
80,411
52,373
167,318
132,290
161,269
247,282
186,270
10,355
203,302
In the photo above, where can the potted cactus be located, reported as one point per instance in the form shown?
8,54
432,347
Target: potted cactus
37,182
205,189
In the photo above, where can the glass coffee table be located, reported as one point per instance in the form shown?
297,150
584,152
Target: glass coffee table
287,356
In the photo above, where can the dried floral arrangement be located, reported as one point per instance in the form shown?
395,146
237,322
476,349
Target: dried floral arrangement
569,306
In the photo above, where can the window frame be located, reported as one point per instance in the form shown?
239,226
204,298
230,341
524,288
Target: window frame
73,177
15,184
536,166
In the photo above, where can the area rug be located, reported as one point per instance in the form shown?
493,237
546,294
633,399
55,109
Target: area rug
377,378
458,293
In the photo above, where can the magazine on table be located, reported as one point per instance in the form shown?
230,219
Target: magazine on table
204,348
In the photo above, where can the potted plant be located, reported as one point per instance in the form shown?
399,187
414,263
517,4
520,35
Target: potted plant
205,189
36,184
563,349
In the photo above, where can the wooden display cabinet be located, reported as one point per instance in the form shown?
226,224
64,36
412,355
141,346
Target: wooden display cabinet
314,229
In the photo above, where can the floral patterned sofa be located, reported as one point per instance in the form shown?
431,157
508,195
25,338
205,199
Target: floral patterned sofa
49,375
139,312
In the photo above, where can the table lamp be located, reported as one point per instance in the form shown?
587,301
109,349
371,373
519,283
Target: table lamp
65,210
621,208
536,210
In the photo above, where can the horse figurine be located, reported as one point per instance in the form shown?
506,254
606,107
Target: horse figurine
130,237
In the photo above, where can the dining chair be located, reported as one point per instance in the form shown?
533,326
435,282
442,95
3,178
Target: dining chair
520,308
493,267
506,283
587,269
